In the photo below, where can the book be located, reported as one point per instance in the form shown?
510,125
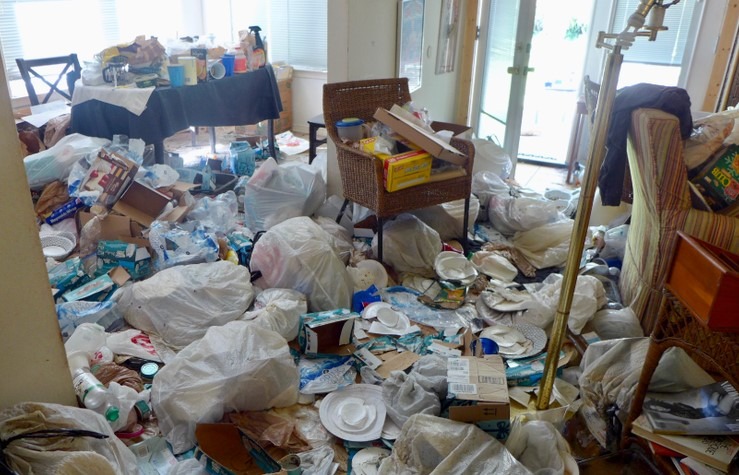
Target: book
714,451
709,410
718,181
691,466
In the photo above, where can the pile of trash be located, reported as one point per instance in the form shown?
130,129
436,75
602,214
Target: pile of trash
244,331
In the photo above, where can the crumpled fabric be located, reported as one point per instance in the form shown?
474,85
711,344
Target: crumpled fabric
418,392
430,445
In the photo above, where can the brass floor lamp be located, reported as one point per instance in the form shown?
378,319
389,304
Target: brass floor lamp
596,152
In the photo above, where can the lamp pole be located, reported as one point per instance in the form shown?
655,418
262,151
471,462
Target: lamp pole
596,154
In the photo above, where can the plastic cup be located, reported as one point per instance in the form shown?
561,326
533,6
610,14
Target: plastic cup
488,346
228,62
176,75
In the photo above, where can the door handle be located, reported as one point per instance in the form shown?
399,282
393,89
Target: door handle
517,71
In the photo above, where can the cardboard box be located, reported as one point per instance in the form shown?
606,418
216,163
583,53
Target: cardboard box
114,227
225,449
458,130
718,182
478,393
406,169
141,203
433,145
111,174
134,259
706,279
326,332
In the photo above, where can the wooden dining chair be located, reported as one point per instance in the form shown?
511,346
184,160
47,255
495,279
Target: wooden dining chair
67,67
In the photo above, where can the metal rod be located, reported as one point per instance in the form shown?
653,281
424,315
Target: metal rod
596,153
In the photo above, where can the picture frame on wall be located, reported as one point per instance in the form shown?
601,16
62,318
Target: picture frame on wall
410,43
448,35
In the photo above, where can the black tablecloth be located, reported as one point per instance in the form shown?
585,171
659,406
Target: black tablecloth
241,99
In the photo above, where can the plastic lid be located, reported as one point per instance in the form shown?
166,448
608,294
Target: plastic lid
112,413
349,122
148,370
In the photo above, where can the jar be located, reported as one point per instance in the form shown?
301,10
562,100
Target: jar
350,129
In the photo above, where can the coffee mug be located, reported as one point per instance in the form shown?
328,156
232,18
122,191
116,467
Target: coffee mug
216,70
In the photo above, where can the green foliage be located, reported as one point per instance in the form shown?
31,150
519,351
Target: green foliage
575,30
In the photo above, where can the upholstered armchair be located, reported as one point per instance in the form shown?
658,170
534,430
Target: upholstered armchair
662,205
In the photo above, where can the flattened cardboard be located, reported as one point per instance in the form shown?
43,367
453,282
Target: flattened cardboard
141,203
115,227
433,145
459,130
394,361
227,450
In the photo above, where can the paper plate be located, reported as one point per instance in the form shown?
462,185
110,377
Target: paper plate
367,461
378,270
536,335
370,311
454,267
355,413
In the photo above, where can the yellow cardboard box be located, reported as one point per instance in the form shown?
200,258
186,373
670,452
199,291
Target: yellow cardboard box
406,169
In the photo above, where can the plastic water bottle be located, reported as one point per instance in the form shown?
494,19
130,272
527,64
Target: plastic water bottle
93,394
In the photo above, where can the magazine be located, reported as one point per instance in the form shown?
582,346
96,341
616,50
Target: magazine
708,410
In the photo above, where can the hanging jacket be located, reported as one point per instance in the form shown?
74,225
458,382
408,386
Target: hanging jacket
673,100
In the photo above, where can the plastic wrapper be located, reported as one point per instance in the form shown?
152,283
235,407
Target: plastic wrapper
611,371
621,323
181,244
323,375
270,427
547,245
298,254
511,215
111,372
217,215
491,157
79,453
615,243
234,367
541,448
132,342
180,304
447,219
319,461
431,445
73,314
406,300
278,310
308,423
588,297
55,163
409,245
158,176
277,193
418,392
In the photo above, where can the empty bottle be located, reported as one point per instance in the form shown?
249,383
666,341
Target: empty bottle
93,395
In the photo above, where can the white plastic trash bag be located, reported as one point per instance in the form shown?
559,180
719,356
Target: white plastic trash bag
276,193
44,455
278,310
588,297
298,254
611,371
547,245
179,304
55,163
622,323
511,215
409,245
486,184
490,156
436,446
236,367
541,448
447,219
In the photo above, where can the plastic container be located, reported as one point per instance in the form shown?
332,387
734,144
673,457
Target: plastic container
350,129
243,160
93,395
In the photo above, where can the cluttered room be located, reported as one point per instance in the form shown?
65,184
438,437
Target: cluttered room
390,237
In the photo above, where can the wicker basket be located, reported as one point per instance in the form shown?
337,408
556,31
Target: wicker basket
362,173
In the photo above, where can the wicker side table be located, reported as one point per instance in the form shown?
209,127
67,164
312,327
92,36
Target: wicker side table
676,325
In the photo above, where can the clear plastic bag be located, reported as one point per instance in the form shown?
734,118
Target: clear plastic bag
234,367
511,215
217,215
409,245
55,163
276,193
176,244
447,219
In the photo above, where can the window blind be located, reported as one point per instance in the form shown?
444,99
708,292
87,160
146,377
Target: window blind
669,47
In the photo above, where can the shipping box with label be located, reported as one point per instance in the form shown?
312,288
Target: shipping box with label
478,393
327,332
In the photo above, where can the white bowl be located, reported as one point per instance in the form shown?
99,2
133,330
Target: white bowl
56,246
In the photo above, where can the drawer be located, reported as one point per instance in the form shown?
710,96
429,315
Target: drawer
706,279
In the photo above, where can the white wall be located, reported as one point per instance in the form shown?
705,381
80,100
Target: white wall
705,50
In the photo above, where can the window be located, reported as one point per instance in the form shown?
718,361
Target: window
295,30
660,61
43,28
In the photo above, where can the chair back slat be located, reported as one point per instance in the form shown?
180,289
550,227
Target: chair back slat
29,68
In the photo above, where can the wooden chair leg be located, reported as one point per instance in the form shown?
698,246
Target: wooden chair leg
380,224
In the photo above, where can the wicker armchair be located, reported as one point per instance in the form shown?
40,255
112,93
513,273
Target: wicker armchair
362,173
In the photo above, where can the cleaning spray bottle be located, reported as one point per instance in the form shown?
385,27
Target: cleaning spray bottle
259,55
